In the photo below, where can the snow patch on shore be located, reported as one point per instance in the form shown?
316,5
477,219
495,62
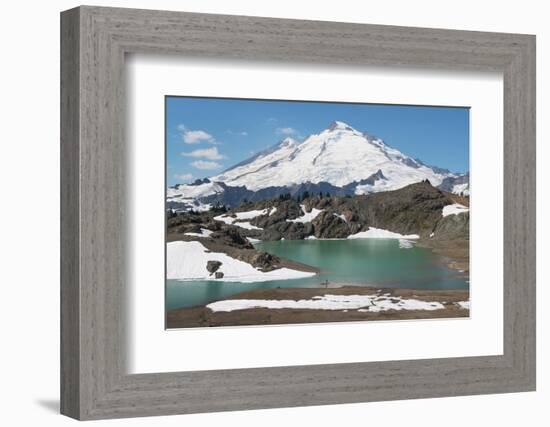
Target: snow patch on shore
379,233
187,261
464,304
361,303
454,209
307,216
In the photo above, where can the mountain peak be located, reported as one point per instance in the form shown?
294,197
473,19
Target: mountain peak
339,155
288,142
338,125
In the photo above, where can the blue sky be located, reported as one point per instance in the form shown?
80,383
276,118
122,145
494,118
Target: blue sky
205,136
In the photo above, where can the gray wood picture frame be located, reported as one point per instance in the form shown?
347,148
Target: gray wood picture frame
94,381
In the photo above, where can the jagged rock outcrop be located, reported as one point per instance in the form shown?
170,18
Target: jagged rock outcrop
453,227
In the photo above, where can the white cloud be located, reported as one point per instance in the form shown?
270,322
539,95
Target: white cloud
286,131
240,133
205,165
195,136
207,153
184,177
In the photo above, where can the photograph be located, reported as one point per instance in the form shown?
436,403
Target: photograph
294,212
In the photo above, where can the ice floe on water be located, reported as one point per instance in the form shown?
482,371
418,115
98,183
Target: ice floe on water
379,233
405,244
454,209
361,303
187,261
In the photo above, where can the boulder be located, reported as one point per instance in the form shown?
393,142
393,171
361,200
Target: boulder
213,266
218,275
264,261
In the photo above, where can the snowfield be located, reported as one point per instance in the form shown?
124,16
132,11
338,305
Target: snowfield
307,216
187,261
362,303
379,233
186,191
338,155
454,209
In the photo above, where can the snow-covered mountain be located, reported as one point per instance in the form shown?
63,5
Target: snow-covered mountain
340,160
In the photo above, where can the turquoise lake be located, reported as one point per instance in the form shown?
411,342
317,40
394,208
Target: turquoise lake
366,262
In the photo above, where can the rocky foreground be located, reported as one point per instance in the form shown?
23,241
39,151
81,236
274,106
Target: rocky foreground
380,304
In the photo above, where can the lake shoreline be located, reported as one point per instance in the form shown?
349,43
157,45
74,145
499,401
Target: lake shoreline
455,254
202,316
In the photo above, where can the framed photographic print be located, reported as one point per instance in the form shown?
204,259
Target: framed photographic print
322,212
317,221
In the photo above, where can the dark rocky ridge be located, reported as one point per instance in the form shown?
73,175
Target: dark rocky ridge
415,209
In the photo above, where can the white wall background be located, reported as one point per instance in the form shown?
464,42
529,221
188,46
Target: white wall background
29,168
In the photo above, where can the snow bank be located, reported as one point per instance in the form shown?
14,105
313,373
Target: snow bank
379,233
307,216
204,233
312,237
253,240
187,261
454,209
362,303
